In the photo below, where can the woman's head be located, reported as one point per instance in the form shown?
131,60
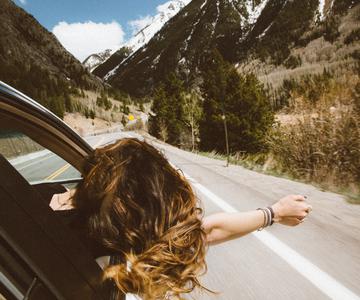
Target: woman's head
141,207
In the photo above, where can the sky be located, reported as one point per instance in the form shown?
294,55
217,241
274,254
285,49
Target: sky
85,27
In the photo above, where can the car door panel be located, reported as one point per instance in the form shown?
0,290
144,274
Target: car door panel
32,230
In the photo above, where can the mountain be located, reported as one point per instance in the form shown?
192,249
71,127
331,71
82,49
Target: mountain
266,30
33,60
165,12
94,60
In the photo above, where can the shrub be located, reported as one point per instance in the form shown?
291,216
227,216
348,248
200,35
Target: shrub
356,55
331,29
353,36
293,62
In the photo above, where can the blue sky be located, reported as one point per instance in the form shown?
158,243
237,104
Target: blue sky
72,20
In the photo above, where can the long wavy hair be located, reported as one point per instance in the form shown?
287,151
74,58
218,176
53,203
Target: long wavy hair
139,206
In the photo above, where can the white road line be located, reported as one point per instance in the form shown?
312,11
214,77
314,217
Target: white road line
323,281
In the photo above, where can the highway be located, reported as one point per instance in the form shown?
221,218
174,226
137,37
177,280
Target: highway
319,259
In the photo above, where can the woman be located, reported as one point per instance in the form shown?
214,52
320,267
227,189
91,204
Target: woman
134,204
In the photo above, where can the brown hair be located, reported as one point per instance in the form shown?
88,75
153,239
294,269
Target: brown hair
139,206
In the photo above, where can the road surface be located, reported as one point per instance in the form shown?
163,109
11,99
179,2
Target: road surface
320,259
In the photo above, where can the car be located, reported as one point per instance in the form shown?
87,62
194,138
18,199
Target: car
40,258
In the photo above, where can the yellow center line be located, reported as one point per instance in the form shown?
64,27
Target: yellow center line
67,166
58,172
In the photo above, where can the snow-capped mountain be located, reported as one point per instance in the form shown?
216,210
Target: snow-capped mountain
93,60
164,13
266,30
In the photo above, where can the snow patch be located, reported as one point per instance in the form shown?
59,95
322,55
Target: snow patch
157,59
182,61
217,16
266,29
254,12
94,60
321,9
202,5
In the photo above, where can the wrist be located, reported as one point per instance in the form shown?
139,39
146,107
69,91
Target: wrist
277,213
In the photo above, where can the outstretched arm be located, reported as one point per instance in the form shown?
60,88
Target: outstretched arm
290,210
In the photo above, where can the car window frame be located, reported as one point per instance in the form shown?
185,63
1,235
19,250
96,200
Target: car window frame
17,111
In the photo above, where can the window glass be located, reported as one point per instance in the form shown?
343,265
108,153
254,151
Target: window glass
35,163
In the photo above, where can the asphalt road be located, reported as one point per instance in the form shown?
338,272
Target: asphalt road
320,259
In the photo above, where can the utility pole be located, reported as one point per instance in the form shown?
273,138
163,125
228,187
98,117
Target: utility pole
226,140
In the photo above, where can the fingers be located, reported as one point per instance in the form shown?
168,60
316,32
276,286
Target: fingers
291,221
302,199
299,197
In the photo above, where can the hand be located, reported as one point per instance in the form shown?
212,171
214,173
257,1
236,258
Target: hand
291,210
62,201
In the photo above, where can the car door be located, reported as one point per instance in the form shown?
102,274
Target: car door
39,257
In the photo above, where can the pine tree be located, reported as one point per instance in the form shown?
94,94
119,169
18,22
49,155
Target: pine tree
175,115
159,112
168,111
213,89
242,100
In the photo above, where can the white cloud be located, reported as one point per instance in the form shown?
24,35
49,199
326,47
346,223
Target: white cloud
138,24
83,39
23,2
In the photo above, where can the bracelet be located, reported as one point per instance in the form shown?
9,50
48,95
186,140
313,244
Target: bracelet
268,214
272,214
265,219
268,217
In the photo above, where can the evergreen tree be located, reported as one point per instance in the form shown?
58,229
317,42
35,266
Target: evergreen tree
123,121
214,76
168,111
242,100
159,112
175,118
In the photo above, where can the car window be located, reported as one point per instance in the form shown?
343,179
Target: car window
34,162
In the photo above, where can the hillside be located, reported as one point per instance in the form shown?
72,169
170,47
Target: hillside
242,30
33,61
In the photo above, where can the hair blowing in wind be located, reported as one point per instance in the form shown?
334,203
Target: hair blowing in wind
140,207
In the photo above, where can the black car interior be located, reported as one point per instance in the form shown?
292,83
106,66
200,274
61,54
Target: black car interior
50,254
